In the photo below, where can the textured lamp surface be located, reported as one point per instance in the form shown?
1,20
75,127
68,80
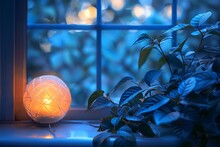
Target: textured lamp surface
47,99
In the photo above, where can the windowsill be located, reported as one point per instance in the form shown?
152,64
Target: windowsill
67,133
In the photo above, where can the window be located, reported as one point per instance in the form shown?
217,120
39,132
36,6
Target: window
122,18
88,43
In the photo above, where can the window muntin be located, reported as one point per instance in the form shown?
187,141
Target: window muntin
62,12
105,71
136,12
68,54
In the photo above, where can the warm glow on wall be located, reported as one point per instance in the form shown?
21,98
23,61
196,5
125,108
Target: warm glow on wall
47,99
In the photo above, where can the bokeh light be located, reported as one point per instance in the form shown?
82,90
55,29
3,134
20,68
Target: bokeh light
71,54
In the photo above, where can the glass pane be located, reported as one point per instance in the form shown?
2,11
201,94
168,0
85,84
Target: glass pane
187,9
71,55
62,11
120,58
136,12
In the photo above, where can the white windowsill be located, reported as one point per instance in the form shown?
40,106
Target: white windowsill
67,133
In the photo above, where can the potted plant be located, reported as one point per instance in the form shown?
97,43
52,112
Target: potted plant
188,105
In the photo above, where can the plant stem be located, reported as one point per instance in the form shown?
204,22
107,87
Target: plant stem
162,53
196,50
183,61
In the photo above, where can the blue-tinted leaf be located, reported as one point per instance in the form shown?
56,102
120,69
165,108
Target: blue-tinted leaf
177,27
151,76
197,104
174,61
134,109
205,80
216,66
190,113
115,121
129,94
121,82
180,47
134,118
182,128
164,39
173,94
101,140
187,86
200,19
123,110
122,142
164,118
100,102
144,53
143,37
123,85
126,137
161,62
216,33
146,130
212,49
105,124
125,128
153,103
93,97
196,33
114,111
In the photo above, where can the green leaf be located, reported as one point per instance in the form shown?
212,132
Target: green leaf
143,37
187,86
153,103
144,53
200,19
93,97
177,28
180,47
165,118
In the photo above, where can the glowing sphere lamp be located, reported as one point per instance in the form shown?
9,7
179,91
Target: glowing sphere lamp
47,99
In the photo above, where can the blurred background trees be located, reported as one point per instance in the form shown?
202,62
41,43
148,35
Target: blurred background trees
71,54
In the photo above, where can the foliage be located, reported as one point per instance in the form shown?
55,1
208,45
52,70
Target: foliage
188,104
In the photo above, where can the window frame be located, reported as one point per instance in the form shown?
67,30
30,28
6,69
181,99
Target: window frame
14,73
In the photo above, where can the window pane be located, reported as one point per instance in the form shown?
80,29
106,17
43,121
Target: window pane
188,9
120,58
136,12
62,11
71,55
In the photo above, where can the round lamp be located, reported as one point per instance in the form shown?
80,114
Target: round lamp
47,99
